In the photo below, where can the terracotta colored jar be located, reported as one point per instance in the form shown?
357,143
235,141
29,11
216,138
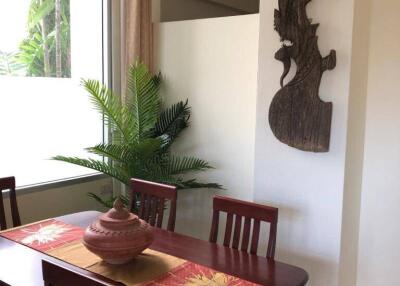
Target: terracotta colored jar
118,236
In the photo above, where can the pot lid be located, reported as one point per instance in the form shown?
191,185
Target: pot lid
119,217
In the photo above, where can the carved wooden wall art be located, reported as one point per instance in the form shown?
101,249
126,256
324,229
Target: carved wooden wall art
297,116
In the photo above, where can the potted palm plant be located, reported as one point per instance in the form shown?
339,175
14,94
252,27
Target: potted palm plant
142,134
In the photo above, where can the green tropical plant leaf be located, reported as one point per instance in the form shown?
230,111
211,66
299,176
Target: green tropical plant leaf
39,11
171,122
143,99
193,184
113,171
116,152
181,165
116,115
9,65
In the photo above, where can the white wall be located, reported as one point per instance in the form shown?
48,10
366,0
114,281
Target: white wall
307,187
213,63
379,251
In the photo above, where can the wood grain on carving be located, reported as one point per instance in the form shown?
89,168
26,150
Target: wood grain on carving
297,116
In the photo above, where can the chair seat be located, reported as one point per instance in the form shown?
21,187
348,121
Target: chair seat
81,219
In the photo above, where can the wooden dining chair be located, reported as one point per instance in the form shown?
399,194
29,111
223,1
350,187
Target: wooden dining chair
56,275
151,198
9,184
250,212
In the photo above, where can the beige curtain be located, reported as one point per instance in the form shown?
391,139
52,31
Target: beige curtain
131,41
136,35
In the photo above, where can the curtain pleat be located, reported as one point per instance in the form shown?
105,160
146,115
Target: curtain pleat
136,36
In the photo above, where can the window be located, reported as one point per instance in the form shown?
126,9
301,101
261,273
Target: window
46,47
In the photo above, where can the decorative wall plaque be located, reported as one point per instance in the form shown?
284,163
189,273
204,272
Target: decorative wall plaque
297,116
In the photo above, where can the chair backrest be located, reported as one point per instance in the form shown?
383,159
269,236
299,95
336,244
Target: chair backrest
250,212
151,198
9,184
56,275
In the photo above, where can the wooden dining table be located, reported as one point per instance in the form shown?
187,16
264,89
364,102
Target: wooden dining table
21,265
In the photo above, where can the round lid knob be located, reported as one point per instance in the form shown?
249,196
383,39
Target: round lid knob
118,211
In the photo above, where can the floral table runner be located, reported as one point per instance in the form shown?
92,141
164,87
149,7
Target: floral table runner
64,242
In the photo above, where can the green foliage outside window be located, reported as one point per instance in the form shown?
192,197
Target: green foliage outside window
46,50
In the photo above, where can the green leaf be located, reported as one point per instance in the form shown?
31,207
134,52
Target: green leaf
115,113
39,11
143,99
148,148
116,152
182,165
113,171
193,184
172,121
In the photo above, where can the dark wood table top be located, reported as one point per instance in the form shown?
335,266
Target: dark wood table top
20,265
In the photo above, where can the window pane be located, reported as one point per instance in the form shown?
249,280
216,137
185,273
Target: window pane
40,116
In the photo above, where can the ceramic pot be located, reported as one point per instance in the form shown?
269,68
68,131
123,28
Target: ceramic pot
118,235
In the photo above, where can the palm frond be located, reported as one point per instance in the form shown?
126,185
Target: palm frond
172,121
113,171
148,148
108,203
9,64
115,113
116,152
194,184
181,165
143,99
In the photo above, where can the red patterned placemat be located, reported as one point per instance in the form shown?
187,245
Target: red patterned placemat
190,274
46,235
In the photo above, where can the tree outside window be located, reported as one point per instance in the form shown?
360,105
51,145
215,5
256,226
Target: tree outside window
46,49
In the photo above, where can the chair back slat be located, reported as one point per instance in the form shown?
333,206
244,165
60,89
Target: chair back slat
142,198
246,234
228,229
172,216
214,227
154,209
9,184
236,233
160,212
152,202
3,222
272,240
147,206
250,212
255,236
